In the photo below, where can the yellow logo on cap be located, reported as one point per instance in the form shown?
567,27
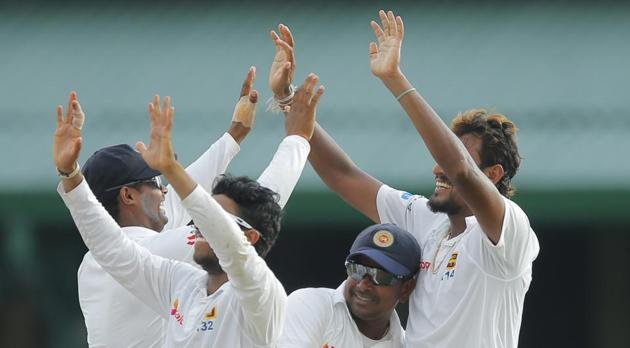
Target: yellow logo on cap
383,238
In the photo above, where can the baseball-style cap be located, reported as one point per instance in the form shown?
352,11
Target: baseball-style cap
393,248
114,166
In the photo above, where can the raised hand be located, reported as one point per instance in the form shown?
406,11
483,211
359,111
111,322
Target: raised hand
159,155
300,120
385,56
283,66
245,109
68,140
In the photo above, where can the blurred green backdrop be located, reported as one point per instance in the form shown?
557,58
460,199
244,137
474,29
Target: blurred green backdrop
560,70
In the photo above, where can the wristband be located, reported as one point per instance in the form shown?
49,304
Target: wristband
68,176
405,93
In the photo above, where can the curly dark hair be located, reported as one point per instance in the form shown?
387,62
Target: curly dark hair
498,136
257,205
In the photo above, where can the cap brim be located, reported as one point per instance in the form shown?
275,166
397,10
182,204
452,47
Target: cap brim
387,263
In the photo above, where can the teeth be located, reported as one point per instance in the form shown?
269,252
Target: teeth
441,184
362,298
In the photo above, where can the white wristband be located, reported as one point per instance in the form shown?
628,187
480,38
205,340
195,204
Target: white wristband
405,93
67,176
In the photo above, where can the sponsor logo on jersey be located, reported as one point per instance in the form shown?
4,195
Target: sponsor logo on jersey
405,195
328,346
179,317
190,240
383,238
425,265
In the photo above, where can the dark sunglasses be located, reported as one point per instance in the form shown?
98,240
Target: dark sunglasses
378,276
155,182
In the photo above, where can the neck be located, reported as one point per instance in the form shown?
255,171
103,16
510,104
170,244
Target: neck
215,280
373,329
458,224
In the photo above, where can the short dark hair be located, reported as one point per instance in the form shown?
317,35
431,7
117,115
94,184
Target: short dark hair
498,137
257,205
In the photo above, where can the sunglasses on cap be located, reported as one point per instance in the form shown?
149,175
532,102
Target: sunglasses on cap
378,276
245,226
154,182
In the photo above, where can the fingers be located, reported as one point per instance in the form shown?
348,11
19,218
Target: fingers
286,48
78,116
373,49
59,115
380,36
286,35
305,92
401,27
317,96
168,112
249,81
71,99
141,147
393,30
384,22
253,96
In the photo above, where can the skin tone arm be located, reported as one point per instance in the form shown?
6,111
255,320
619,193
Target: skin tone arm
330,162
473,184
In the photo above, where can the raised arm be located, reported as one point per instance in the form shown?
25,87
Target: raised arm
146,275
215,160
473,184
330,162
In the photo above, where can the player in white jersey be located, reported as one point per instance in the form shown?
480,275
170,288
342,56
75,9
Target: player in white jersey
113,316
477,245
382,266
239,303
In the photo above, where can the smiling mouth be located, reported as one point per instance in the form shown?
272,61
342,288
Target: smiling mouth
362,298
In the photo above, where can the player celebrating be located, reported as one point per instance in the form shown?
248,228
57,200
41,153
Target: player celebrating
382,267
243,308
477,245
124,184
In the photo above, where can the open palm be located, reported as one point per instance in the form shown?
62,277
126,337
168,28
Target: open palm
385,56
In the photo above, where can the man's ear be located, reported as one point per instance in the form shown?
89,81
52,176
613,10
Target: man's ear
406,289
128,196
252,236
494,173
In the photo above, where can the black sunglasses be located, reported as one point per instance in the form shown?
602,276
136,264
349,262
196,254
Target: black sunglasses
377,275
154,181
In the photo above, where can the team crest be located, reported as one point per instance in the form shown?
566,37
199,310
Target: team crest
452,262
383,238
211,315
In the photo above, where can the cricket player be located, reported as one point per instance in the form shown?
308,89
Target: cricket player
382,266
477,244
238,303
114,317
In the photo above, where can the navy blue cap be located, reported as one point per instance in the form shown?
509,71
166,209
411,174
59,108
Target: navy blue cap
391,247
113,166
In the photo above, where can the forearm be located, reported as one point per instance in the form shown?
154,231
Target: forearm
285,169
342,176
447,150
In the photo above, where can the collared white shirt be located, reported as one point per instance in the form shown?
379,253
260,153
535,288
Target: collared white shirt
320,318
470,292
248,311
114,317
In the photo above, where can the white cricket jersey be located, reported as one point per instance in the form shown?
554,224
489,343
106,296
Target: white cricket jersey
113,316
470,292
319,318
247,311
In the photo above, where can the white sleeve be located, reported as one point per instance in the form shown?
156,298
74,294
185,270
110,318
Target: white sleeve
259,292
308,315
284,170
204,170
406,210
147,276
176,244
516,250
